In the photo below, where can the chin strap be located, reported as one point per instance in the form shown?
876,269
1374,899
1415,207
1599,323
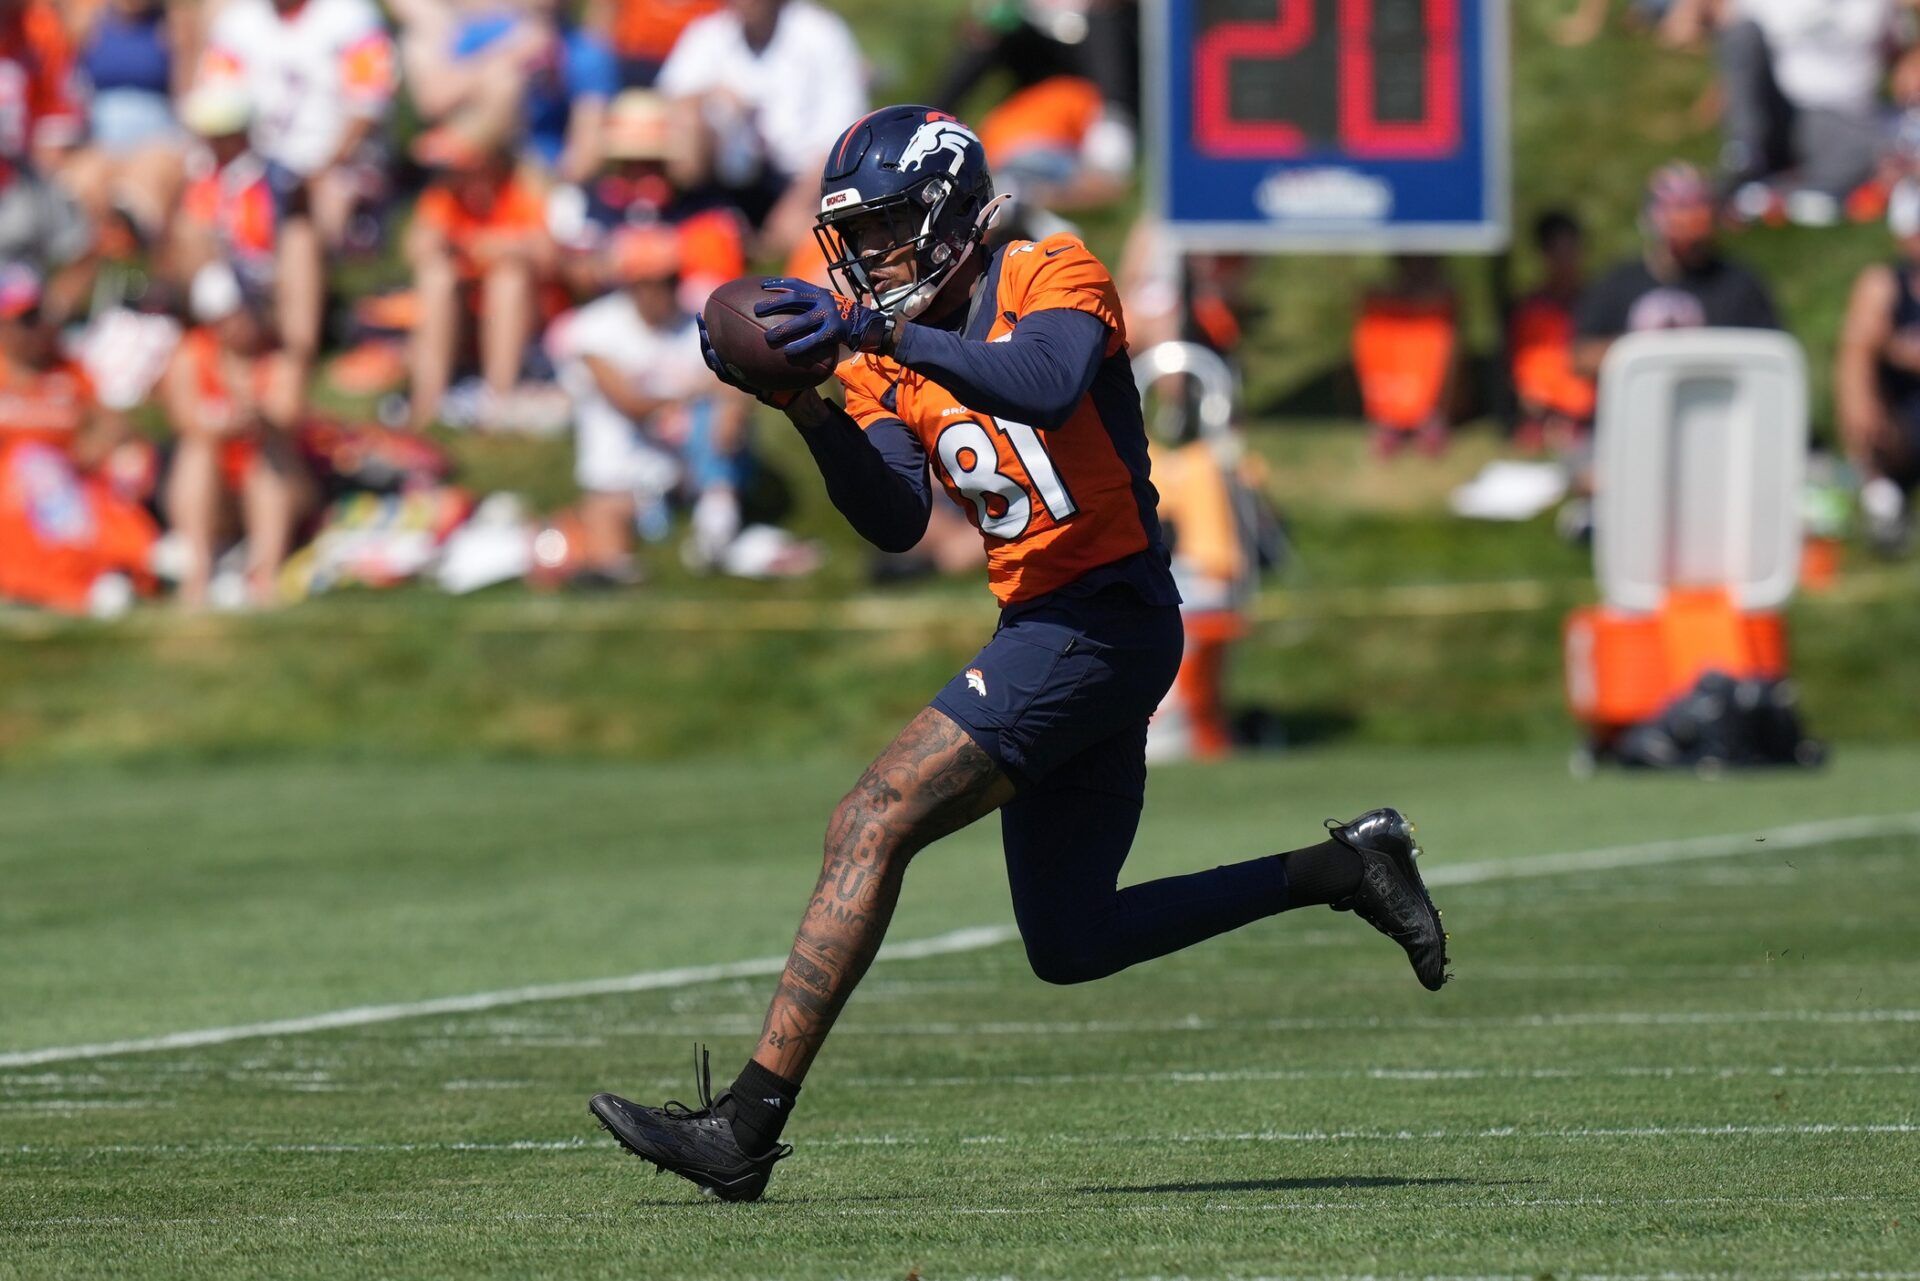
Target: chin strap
990,214
916,302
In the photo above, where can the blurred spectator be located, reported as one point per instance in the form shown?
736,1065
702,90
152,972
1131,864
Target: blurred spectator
1216,523
1801,86
1036,40
229,212
39,123
767,86
1057,145
65,534
44,397
643,32
1590,16
650,418
1583,24
1555,403
478,247
319,76
39,117
1876,379
423,40
636,188
1405,353
233,400
522,70
128,342
1064,138
129,170
1174,296
1679,281
40,224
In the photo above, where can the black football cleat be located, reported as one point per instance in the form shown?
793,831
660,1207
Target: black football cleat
695,1143
1391,896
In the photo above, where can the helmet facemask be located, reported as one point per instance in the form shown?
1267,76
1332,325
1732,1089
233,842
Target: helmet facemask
860,237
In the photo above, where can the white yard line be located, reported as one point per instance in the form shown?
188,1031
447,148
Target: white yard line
1535,1276
218,1148
86,1105
967,940
1230,1076
1897,1128
1608,857
1569,1133
745,1025
1574,1275
1072,1208
973,939
1889,1129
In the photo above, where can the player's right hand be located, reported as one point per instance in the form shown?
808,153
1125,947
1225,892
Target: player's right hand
777,399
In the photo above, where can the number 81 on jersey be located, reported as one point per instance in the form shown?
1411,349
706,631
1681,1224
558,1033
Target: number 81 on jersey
1003,503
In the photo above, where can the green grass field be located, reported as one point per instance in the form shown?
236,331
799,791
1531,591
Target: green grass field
1689,1059
252,869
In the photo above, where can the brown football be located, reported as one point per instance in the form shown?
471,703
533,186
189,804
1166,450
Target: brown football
740,337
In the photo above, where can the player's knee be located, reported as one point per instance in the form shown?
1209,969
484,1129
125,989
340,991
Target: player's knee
1065,961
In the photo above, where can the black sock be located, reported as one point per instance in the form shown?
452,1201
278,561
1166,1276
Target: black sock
758,1105
1323,873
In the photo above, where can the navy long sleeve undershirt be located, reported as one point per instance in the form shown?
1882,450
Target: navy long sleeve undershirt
877,478
1035,377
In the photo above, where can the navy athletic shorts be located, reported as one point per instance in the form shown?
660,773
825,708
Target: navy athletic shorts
1061,695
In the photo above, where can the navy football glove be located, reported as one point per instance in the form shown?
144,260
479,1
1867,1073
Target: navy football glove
821,318
777,399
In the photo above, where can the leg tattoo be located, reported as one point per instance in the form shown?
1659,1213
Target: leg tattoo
932,780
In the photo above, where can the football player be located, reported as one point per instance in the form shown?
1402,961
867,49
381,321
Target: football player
1007,372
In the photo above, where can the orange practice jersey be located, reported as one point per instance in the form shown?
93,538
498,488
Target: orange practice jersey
1541,336
50,406
1051,505
515,211
200,349
1057,112
236,205
646,29
37,105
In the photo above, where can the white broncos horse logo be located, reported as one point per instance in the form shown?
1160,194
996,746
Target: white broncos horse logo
934,137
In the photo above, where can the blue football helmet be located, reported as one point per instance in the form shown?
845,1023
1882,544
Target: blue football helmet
904,176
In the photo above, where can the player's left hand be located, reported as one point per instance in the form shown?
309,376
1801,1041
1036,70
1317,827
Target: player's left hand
821,318
777,399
